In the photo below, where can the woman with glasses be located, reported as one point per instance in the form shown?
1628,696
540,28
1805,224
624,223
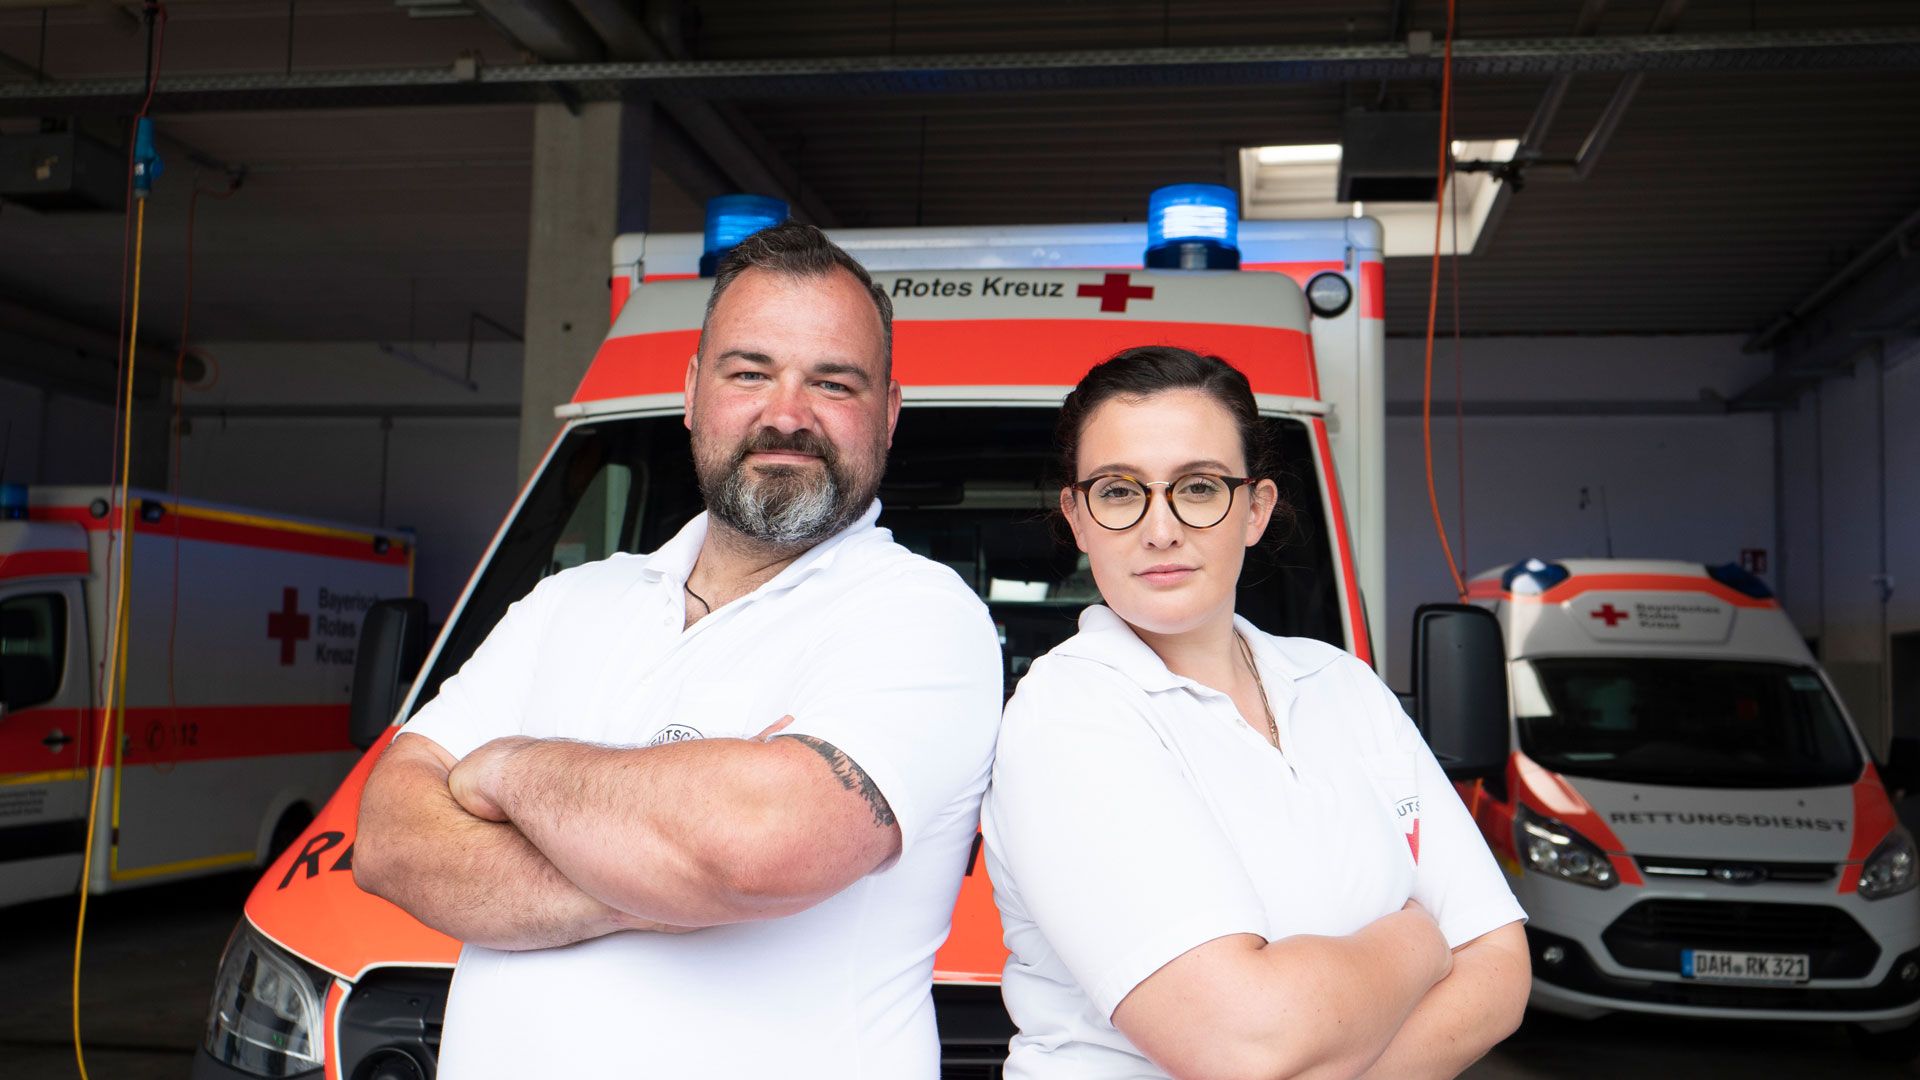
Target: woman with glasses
1216,852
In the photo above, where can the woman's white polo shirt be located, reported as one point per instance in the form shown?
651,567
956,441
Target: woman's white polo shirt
1135,815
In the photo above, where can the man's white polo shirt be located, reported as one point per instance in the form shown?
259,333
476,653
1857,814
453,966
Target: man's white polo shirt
1134,815
884,654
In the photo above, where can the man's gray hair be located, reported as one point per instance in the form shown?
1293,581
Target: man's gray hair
798,250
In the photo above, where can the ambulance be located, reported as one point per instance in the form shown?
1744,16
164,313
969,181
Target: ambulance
992,326
231,729
1691,821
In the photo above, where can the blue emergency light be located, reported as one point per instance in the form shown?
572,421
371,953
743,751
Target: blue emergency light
13,502
1533,577
733,218
1740,580
1193,227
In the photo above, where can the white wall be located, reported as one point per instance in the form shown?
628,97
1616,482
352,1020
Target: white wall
449,479
1695,486
51,438
1835,493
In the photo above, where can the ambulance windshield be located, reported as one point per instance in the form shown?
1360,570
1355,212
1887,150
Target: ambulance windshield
1683,722
968,486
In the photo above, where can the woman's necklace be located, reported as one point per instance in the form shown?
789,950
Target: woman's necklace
1246,653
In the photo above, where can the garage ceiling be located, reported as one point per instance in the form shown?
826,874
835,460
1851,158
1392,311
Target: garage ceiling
1724,197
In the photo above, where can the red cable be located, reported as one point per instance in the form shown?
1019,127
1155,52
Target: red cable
1459,357
1433,303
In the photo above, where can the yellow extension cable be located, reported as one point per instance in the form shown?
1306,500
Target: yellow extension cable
116,679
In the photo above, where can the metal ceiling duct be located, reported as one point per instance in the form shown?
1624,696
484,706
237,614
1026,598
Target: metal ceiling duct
1880,48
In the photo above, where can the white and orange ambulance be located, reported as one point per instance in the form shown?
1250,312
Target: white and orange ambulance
232,727
992,326
1690,819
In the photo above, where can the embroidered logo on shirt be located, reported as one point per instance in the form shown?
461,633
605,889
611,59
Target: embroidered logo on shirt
1409,807
674,733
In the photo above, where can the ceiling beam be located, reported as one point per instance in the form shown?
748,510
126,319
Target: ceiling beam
70,357
1872,299
1873,48
550,29
593,30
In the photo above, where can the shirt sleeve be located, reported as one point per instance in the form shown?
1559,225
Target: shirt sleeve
489,696
908,687
1455,876
1097,836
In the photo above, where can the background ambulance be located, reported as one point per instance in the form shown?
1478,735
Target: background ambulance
1693,824
232,725
992,327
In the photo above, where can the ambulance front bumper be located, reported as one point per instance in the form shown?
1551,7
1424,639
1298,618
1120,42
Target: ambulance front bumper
1596,951
1573,984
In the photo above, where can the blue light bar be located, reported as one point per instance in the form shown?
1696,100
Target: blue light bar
733,218
1533,577
1193,227
1739,579
13,501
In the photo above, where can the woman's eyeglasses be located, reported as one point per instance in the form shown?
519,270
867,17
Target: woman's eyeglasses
1198,500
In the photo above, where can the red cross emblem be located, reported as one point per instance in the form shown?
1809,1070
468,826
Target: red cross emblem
288,625
1116,290
1608,612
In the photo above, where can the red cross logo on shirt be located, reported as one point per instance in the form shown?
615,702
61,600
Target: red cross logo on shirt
1610,613
288,625
1116,290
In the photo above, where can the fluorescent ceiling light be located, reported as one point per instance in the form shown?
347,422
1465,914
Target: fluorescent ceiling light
1307,154
1282,182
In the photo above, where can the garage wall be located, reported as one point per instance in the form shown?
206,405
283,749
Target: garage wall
450,480
1838,588
48,437
1572,444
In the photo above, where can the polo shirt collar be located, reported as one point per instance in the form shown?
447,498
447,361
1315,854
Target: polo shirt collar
674,559
1105,638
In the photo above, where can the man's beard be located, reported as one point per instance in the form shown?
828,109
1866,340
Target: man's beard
786,505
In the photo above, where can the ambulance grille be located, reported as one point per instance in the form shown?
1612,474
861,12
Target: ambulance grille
394,1011
1651,934
1741,872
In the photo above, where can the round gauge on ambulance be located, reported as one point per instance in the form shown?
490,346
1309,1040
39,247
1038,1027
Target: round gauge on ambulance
1329,293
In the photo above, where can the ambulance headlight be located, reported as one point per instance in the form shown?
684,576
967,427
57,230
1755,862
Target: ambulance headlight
1548,847
266,1014
1893,868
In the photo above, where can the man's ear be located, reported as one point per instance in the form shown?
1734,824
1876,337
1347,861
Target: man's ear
893,409
693,376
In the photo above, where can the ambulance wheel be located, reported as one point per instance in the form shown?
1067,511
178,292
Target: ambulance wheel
293,821
1899,1045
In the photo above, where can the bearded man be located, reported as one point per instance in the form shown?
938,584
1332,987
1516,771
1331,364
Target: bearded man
704,812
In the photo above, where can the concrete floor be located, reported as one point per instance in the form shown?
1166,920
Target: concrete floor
148,970
150,959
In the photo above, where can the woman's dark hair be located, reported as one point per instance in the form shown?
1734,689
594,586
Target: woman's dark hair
1153,369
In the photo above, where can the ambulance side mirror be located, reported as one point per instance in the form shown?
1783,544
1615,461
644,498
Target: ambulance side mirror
393,642
1460,688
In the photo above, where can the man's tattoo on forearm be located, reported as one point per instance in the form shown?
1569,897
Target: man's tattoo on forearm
852,777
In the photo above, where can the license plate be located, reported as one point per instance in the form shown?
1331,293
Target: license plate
1719,966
